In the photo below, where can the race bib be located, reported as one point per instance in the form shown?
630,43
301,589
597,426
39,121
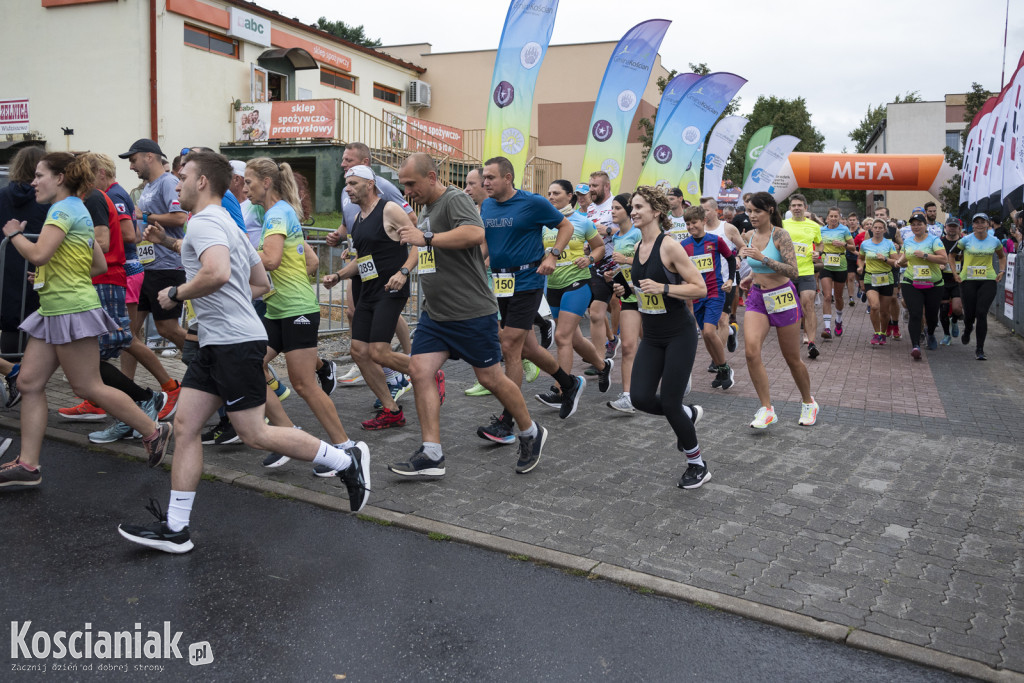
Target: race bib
40,280
834,260
801,249
879,279
959,265
190,314
427,264
367,268
977,272
627,272
679,234
146,251
651,304
922,273
704,262
565,261
272,290
779,300
504,284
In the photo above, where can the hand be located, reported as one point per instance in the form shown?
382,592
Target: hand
751,252
956,277
547,264
31,277
332,238
920,254
999,276
860,270
746,282
618,290
838,243
648,286
138,213
13,227
727,286
331,280
621,259
165,300
412,236
396,282
582,262
154,233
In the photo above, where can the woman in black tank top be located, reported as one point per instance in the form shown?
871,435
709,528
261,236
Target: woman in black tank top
664,277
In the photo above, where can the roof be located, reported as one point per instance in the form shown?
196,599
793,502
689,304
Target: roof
324,35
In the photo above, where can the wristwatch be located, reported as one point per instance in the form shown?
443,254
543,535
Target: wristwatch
428,237
666,289
404,271
145,219
172,294
557,252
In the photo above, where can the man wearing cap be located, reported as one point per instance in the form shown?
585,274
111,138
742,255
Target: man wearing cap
675,214
158,204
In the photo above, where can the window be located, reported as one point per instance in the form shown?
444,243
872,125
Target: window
953,140
336,79
210,41
386,94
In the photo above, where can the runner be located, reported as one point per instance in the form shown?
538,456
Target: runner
459,317
805,234
568,290
836,241
663,278
978,279
623,248
707,252
854,286
922,282
513,224
727,327
773,301
63,332
600,212
951,307
892,233
875,264
224,272
675,214
931,212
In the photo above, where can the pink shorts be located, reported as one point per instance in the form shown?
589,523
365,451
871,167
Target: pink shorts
782,297
131,295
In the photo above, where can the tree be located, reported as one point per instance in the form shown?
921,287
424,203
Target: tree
874,116
949,195
787,117
353,34
646,125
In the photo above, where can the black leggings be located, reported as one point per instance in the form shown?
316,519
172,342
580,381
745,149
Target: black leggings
977,297
669,363
917,300
113,377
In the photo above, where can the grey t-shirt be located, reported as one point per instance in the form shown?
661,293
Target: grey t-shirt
225,316
159,196
458,290
385,188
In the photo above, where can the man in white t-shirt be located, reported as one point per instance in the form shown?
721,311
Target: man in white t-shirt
676,206
600,209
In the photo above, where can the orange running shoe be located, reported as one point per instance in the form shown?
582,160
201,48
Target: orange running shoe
170,405
86,411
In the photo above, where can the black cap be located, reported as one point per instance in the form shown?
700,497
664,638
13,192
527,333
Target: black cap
953,221
675,192
142,145
918,217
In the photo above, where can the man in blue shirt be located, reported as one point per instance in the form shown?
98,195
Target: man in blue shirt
513,225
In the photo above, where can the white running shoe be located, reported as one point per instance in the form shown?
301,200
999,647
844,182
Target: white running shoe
353,376
809,413
764,417
622,404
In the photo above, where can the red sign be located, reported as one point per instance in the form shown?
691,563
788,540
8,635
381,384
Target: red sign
256,121
438,136
14,116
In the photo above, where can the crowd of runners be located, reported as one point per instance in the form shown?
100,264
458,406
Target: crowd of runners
214,251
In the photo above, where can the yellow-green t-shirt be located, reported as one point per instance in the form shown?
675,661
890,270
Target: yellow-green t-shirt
805,234
922,271
64,282
292,294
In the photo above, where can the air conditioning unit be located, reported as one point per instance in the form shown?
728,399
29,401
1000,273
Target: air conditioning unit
419,93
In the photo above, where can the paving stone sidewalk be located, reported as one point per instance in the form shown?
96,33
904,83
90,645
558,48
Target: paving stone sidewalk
900,513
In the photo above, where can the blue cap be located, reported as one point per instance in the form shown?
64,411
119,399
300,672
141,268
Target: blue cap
980,215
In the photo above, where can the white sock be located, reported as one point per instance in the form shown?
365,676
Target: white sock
693,457
432,450
828,321
332,457
626,394
179,509
839,317
532,431
391,376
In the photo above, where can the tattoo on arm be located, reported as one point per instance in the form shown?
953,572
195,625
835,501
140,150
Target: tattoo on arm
787,266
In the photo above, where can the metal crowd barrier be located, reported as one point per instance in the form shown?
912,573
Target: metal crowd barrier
1015,321
22,339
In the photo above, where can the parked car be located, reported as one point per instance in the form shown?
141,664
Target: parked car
5,178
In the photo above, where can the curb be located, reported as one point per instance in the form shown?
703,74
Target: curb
749,609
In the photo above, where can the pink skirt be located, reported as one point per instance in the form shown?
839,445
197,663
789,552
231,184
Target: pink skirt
64,329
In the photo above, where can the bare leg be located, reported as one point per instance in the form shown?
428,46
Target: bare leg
755,329
789,344
302,374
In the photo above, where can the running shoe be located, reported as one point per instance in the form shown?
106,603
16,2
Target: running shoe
356,476
915,353
152,408
955,329
210,435
14,475
689,385
13,395
852,302
697,412
552,399
571,398
170,403
591,371
547,333
882,340
932,344
712,367
610,347
979,355
734,333
966,338
326,376
725,377
946,340
694,477
763,417
115,431
419,465
478,390
352,377
808,413
398,390
875,339
826,334
497,431
530,448
439,383
622,404
864,296
385,419
604,377
86,411
157,447
812,351
530,371
157,535
896,332
275,460
839,329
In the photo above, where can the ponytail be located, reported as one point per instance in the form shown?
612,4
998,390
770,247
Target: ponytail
78,175
282,180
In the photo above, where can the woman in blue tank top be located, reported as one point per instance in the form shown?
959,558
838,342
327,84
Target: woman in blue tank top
773,302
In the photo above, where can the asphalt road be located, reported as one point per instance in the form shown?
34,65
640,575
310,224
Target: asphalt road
284,591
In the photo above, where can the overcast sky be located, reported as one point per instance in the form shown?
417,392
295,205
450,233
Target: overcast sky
840,56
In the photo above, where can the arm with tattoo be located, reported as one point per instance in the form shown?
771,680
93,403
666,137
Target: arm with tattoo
787,266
